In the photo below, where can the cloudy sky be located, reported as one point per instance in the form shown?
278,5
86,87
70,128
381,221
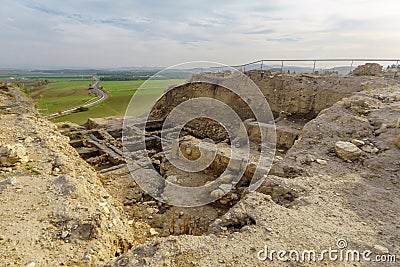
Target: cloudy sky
79,33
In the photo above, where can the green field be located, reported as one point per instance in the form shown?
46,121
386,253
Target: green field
63,95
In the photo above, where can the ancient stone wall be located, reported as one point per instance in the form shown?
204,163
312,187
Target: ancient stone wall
289,95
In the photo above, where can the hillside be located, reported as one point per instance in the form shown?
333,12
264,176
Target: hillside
67,197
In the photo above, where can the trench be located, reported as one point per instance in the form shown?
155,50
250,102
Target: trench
102,148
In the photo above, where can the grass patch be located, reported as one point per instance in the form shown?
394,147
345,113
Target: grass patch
60,95
33,170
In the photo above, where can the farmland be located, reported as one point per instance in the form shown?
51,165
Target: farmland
62,94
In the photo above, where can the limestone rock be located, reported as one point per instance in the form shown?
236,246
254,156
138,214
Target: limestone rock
11,154
11,181
370,149
378,249
347,150
357,142
368,69
227,178
153,231
310,158
217,193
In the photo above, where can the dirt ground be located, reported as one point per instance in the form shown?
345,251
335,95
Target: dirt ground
57,210
312,199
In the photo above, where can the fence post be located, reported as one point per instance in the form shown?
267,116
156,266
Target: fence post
351,67
395,72
313,70
282,67
261,64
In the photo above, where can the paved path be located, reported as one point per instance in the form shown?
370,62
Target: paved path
101,96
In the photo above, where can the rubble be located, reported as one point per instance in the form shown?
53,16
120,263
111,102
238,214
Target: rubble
368,69
11,154
380,250
308,150
357,142
347,150
80,214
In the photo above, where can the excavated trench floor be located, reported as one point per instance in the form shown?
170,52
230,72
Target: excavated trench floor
104,152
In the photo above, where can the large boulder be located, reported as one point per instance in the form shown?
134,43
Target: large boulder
12,154
347,150
369,69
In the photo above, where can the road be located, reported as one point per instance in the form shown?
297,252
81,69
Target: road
101,96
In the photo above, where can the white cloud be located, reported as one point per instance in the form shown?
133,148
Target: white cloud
161,33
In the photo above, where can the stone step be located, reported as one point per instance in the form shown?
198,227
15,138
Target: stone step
88,152
113,156
76,143
113,168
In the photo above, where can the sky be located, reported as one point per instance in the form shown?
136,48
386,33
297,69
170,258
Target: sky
126,33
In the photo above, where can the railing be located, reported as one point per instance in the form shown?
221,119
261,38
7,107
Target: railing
261,64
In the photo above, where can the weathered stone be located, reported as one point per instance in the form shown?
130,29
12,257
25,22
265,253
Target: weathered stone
310,158
11,181
11,154
357,142
368,69
217,193
153,231
321,161
286,136
378,249
235,164
347,150
224,201
228,178
64,234
172,178
370,149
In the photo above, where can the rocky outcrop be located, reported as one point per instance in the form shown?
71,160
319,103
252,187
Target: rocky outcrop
296,96
54,209
368,69
303,96
313,192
